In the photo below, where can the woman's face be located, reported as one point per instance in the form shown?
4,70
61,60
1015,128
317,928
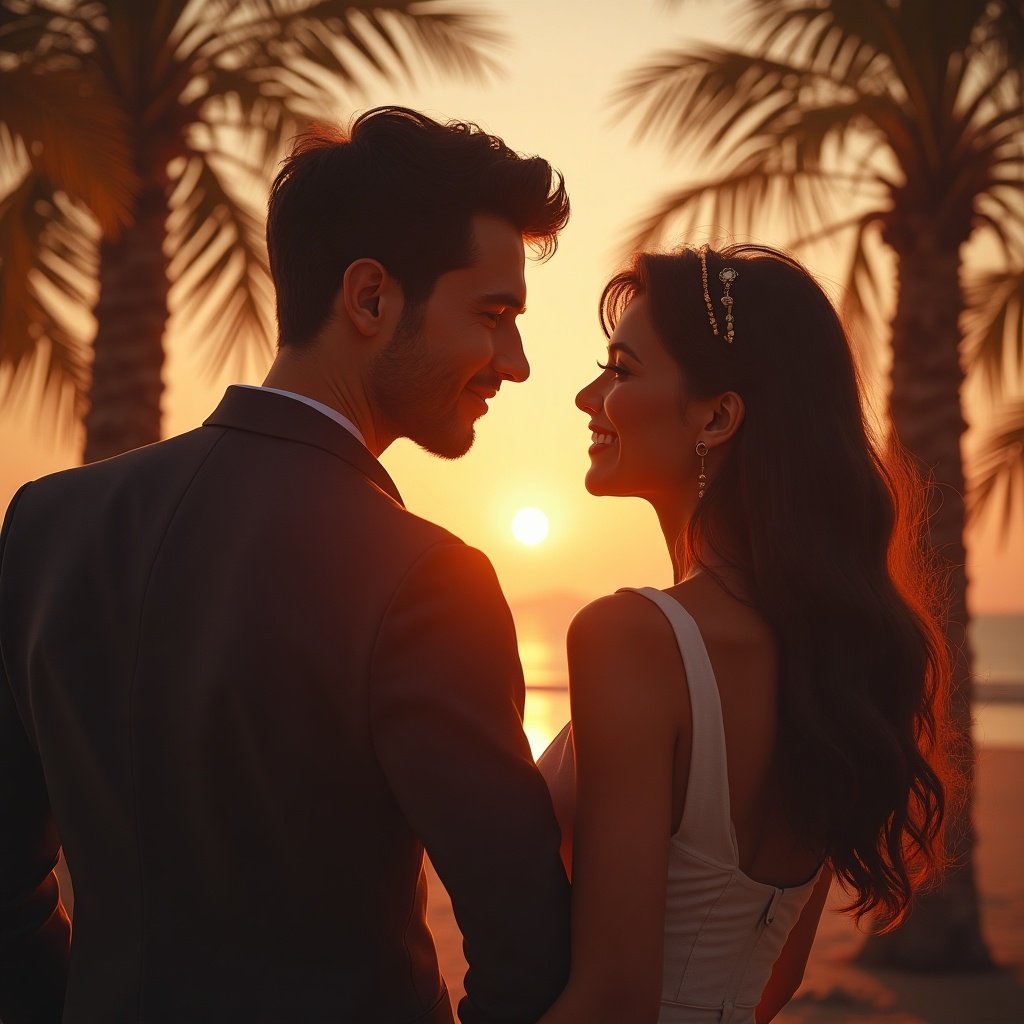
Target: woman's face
642,438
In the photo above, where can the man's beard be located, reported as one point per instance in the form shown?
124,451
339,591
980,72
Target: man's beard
415,395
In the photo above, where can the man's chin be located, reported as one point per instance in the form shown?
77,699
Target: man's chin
448,444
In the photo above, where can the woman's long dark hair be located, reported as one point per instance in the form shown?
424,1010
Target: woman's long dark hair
825,525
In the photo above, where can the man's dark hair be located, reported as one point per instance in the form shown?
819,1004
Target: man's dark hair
400,188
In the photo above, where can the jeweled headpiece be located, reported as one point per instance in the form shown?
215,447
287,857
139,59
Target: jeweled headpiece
726,275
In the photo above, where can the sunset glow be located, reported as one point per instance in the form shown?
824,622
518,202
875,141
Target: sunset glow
532,445
530,526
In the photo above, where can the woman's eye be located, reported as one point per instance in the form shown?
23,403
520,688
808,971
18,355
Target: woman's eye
617,368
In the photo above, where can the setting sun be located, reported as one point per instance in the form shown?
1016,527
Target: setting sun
530,526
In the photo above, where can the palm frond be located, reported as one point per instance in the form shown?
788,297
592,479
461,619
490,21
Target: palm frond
249,134
1003,33
905,51
221,291
881,42
740,107
23,27
75,134
983,136
994,327
863,299
811,128
699,96
983,220
351,40
990,77
47,261
823,37
1000,210
895,31
166,15
999,469
269,65
771,180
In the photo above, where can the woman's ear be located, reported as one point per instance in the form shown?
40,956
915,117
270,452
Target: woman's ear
725,418
369,298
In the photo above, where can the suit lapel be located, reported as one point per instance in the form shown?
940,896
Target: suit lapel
263,412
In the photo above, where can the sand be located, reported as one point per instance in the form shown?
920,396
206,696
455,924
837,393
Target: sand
838,991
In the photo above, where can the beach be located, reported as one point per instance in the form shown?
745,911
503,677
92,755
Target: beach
837,990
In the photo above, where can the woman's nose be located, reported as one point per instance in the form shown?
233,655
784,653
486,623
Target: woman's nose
589,398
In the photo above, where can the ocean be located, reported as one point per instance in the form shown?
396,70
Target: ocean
998,642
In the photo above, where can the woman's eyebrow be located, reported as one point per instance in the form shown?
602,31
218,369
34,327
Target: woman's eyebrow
619,346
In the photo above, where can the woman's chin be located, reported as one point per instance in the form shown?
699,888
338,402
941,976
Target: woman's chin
596,486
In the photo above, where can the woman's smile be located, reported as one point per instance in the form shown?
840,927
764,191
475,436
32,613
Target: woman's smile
600,439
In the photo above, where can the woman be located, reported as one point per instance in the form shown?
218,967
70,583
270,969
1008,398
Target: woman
773,720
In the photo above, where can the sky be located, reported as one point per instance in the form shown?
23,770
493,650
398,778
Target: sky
562,65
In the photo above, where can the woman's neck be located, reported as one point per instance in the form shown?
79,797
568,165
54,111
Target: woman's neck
673,520
704,559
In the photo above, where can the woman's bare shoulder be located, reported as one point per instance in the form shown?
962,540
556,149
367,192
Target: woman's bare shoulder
619,639
624,614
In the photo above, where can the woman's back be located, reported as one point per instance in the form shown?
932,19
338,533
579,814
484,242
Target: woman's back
731,895
744,661
724,929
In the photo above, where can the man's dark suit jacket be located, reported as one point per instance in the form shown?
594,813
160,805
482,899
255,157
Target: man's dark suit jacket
246,687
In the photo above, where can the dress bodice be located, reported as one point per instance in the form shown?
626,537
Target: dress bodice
723,929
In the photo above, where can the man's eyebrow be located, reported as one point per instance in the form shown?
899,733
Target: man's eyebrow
503,299
618,346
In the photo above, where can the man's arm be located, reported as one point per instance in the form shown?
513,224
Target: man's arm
34,930
447,705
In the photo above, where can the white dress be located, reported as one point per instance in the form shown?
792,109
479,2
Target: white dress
723,930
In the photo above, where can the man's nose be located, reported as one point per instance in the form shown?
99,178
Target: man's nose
510,360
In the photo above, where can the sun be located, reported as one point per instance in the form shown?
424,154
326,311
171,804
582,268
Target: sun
530,526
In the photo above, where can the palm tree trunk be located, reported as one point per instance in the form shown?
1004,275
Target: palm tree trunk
128,351
943,931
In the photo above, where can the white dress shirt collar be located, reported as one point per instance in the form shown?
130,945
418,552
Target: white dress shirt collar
314,404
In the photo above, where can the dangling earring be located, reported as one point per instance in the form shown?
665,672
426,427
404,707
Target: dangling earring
702,450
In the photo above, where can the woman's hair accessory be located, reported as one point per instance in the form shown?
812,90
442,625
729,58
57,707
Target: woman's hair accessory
726,275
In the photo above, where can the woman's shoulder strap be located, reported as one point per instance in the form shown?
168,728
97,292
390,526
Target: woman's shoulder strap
707,815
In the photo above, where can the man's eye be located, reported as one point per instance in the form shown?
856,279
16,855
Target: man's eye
492,318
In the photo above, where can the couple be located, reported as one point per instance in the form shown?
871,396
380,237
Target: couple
244,687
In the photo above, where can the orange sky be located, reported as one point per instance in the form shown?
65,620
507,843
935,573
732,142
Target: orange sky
563,63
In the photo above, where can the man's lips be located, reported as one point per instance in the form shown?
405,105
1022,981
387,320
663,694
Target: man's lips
482,394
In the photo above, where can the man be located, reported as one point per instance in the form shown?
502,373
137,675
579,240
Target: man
251,686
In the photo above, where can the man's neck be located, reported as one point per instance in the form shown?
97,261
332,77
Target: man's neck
304,373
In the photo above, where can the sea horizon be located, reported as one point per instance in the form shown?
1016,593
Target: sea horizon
997,641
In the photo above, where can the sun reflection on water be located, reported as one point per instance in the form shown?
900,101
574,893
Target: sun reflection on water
547,710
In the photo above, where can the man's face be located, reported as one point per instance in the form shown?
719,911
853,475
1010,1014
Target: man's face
433,380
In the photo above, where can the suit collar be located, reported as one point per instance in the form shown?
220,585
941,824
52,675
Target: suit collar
263,412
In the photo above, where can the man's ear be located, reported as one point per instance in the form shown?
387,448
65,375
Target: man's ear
725,417
369,298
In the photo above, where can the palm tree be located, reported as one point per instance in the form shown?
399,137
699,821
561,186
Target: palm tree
994,323
137,130
882,121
